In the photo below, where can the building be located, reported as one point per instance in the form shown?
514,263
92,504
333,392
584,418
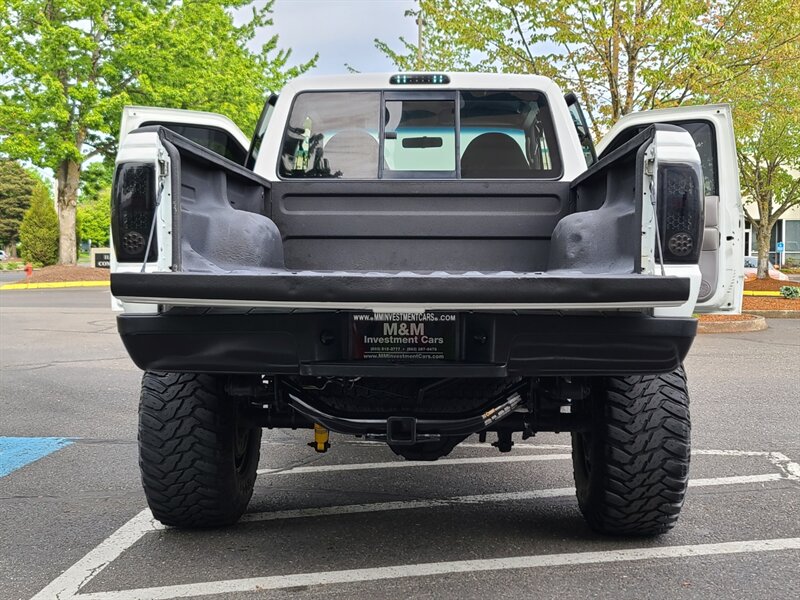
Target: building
786,230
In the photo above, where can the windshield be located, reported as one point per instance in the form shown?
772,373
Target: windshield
473,134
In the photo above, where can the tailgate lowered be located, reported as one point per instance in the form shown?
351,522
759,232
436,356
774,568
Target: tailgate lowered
403,291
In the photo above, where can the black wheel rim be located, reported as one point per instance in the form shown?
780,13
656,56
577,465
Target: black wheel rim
584,455
241,448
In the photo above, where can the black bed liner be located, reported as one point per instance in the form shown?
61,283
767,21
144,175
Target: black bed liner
503,288
226,218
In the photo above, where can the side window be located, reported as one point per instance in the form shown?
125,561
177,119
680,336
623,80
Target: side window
261,130
702,133
214,139
584,133
623,137
541,155
332,134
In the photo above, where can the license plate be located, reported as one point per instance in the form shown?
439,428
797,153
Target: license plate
405,336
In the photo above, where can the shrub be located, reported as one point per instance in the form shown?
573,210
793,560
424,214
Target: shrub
39,230
94,219
791,292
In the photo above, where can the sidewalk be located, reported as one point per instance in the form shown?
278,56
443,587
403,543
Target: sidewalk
54,277
53,285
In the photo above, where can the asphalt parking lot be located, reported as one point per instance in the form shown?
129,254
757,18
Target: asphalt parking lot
360,522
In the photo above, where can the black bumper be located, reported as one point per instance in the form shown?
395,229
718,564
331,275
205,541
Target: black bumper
491,345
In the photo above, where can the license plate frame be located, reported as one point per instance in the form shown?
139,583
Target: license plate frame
427,336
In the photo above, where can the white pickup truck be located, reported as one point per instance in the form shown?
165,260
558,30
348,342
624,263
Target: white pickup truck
416,258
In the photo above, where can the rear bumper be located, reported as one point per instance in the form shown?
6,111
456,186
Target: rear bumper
491,344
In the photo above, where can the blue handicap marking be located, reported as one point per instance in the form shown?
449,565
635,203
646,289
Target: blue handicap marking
16,452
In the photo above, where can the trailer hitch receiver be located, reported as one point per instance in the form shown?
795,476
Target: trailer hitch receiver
401,430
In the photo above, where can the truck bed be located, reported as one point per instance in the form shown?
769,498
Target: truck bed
227,218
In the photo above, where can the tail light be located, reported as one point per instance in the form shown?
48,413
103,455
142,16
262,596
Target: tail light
680,213
133,203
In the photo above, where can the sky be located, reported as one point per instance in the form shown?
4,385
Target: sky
342,31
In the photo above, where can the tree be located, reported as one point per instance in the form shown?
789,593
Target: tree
16,187
69,68
618,55
626,55
95,178
768,130
94,203
94,218
39,230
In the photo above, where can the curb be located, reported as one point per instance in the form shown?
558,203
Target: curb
775,314
53,285
757,324
762,293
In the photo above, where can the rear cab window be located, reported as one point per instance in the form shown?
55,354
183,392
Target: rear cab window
507,134
332,134
468,134
419,137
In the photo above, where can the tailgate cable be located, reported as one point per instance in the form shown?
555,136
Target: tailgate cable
658,234
162,176
655,223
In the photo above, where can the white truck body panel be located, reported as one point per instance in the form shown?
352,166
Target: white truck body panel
146,148
671,148
727,297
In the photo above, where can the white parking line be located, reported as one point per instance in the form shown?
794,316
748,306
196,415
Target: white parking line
484,445
791,470
404,464
67,585
278,582
350,509
785,465
517,446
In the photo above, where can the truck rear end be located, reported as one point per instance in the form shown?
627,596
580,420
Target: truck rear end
410,259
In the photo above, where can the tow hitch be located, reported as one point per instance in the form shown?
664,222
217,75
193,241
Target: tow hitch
527,407
401,430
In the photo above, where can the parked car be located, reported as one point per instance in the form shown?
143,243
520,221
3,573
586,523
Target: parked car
2,255
413,259
751,269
